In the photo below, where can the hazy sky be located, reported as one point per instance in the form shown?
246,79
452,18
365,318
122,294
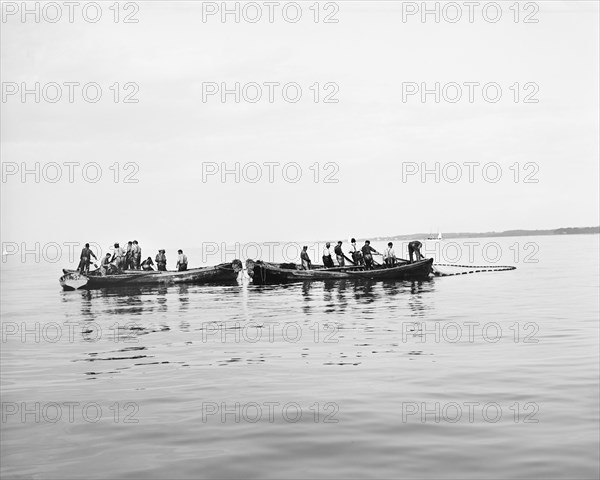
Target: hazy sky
370,135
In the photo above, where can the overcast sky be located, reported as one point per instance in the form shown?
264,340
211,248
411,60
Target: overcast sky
370,135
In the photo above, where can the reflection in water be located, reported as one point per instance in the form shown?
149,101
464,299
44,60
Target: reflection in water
184,298
338,322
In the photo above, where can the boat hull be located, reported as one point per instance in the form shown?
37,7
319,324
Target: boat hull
223,274
263,273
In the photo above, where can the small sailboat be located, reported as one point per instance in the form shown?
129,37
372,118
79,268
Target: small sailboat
432,236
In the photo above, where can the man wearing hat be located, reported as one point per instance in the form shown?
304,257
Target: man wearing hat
161,261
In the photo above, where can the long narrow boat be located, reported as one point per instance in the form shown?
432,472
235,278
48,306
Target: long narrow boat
223,274
264,273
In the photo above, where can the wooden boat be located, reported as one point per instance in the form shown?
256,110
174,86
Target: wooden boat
264,273
223,274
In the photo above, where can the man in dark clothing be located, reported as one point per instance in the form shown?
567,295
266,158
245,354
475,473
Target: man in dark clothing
147,264
367,253
161,261
327,260
129,256
339,255
306,263
85,259
414,247
136,255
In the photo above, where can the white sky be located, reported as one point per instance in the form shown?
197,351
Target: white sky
369,53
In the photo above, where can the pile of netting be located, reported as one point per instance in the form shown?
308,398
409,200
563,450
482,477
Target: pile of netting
450,269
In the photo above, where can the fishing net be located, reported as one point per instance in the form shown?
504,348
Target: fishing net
450,269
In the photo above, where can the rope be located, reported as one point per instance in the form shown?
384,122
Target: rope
475,269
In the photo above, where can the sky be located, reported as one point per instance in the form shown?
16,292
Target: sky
357,162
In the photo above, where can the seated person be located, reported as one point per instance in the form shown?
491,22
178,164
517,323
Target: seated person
147,264
389,256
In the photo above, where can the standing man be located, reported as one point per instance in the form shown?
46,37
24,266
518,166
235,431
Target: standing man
356,255
118,257
327,260
339,255
129,256
85,259
306,263
161,261
415,247
136,255
181,261
389,256
367,253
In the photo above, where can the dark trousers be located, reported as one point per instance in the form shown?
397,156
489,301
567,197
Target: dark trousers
182,267
327,261
414,248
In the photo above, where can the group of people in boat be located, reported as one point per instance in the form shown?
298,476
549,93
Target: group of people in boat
361,257
128,259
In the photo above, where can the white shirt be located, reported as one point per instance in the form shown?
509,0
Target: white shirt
327,252
389,253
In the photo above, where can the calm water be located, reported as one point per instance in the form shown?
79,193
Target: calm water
322,380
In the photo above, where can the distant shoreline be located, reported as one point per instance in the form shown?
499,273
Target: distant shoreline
506,233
